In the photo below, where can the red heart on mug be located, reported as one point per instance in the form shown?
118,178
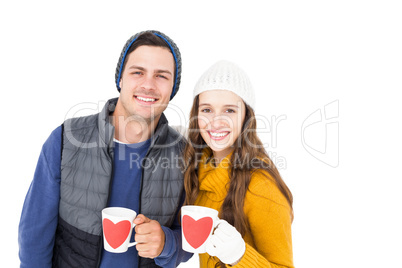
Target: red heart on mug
196,232
116,234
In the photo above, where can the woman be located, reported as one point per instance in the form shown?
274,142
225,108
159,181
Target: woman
230,171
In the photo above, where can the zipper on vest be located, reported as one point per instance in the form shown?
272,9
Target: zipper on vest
107,203
142,173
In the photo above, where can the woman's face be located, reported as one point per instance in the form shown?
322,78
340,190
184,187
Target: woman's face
220,119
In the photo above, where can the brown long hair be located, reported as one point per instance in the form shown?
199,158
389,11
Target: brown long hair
248,148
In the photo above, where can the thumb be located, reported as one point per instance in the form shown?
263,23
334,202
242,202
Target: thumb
141,219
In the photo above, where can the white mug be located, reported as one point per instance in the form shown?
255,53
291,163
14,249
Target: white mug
117,223
197,225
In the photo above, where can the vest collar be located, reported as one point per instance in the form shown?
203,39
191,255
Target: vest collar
106,129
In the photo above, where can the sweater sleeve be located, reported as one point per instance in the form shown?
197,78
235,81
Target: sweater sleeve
39,215
270,221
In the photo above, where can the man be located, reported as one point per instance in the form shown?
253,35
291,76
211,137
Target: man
125,156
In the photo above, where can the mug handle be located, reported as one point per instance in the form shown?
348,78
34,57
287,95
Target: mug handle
132,243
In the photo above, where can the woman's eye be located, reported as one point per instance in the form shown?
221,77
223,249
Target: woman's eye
206,110
230,111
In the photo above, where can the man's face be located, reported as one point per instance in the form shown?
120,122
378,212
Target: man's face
146,83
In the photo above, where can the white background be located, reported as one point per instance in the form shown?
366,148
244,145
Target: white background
58,58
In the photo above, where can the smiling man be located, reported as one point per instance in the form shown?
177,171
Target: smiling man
146,87
87,164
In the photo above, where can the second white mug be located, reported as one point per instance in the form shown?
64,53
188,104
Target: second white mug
198,224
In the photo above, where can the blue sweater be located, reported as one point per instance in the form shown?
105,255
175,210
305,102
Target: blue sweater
40,212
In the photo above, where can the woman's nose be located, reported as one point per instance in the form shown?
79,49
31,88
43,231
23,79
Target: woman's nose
220,121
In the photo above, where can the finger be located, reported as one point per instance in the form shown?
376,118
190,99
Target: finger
148,239
148,248
145,228
210,248
143,250
217,241
141,219
213,246
151,227
219,236
140,238
141,245
147,254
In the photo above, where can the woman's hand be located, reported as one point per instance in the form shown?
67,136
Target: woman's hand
226,244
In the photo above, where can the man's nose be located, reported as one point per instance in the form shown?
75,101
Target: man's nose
148,82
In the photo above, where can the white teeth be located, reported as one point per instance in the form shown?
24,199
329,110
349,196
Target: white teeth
218,134
146,99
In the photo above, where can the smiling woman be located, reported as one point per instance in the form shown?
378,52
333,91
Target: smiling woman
220,118
229,170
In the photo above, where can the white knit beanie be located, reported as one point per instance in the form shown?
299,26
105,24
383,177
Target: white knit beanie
226,75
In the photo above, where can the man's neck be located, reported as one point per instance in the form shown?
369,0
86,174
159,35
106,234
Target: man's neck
133,131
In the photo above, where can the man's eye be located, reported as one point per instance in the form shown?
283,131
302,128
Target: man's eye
162,76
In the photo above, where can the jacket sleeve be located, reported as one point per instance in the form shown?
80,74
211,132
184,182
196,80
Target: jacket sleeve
269,217
39,215
173,254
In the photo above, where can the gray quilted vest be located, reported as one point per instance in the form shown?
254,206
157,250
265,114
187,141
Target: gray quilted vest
86,174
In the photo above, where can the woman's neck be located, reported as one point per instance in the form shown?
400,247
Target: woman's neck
220,155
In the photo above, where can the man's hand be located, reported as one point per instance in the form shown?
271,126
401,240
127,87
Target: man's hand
150,237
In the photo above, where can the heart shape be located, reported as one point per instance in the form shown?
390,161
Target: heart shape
116,234
196,232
